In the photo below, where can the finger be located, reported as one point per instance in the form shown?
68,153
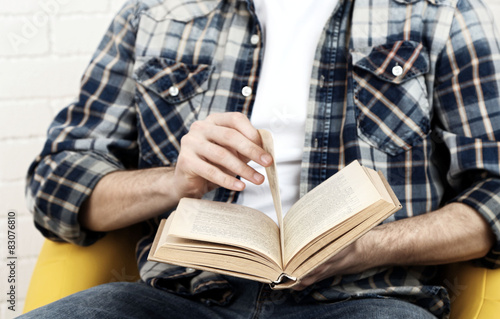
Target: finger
196,151
213,174
316,275
227,161
203,131
234,140
237,121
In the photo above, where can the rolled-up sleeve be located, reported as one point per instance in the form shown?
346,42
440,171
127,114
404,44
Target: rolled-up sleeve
88,139
467,106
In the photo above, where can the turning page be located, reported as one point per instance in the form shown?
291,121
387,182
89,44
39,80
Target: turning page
272,176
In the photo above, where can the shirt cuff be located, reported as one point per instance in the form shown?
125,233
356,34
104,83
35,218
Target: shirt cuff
57,194
484,197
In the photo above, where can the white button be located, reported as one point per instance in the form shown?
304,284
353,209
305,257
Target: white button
246,91
397,70
255,39
173,91
190,270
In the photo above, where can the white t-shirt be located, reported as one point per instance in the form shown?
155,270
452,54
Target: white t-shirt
291,30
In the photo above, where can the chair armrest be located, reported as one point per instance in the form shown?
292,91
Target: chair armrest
63,269
474,291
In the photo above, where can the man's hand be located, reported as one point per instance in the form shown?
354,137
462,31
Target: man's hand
453,233
351,260
212,154
215,151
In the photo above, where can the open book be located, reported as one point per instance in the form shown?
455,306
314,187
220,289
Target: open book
240,241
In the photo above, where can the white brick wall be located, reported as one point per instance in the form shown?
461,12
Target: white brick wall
44,47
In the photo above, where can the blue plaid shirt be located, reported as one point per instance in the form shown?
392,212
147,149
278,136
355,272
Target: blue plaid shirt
408,87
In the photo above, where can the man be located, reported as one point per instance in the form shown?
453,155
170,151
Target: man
169,108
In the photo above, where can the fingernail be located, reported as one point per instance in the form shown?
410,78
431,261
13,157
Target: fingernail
239,185
266,159
258,177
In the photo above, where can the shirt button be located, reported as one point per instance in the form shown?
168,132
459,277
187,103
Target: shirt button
255,39
246,91
190,270
397,70
173,91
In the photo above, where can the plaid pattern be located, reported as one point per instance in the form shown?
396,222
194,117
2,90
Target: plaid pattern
413,91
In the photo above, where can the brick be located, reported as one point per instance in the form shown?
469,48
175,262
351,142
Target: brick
41,77
24,35
56,105
12,198
50,7
80,34
4,312
116,5
16,7
53,7
82,6
29,240
24,118
16,157
24,270
28,244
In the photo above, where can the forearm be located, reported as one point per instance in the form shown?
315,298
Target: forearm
453,233
213,154
124,198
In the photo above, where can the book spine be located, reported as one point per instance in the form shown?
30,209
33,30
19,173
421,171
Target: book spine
283,279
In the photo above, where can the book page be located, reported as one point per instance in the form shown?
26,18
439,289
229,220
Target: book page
228,224
272,176
220,258
377,180
333,201
330,244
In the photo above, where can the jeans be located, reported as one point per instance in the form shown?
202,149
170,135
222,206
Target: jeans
253,300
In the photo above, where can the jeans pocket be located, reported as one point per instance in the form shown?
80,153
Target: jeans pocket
390,94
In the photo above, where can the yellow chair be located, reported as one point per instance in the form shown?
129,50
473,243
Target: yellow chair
66,269
474,291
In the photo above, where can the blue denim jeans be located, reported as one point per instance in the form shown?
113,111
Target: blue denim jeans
253,300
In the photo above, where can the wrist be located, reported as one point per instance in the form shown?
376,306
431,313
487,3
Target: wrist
375,249
166,187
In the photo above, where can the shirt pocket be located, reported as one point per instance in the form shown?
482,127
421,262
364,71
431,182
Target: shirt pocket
169,96
390,94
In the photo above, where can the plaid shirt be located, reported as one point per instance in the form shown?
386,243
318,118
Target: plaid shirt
408,87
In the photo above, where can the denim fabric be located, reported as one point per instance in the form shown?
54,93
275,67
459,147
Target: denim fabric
138,300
